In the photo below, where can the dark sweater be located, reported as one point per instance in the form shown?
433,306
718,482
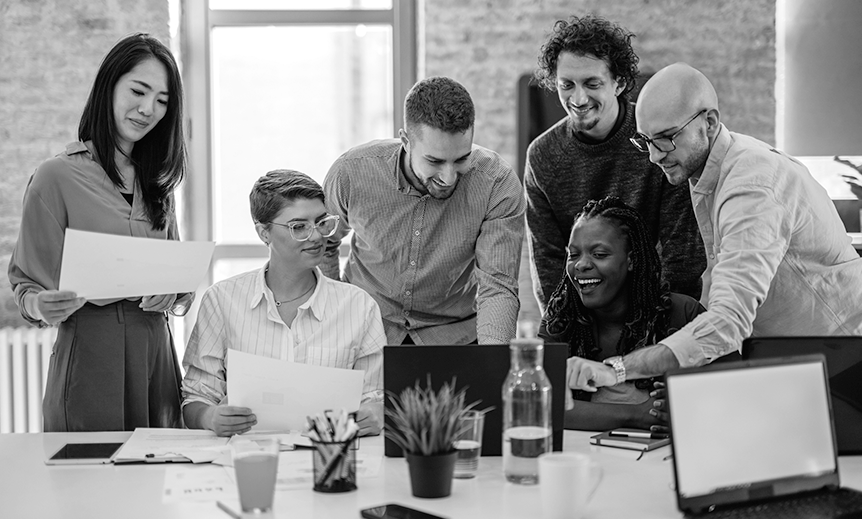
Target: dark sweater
562,174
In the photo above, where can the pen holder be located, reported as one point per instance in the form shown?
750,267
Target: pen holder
334,466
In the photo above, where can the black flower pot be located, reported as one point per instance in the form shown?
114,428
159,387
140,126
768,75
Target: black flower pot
431,476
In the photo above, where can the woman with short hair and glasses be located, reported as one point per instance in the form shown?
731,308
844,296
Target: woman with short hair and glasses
285,310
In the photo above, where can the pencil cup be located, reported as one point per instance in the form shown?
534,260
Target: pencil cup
256,465
334,466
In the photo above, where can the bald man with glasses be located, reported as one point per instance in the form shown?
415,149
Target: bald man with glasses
779,261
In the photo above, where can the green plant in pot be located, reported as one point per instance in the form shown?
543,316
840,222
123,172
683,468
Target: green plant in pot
425,424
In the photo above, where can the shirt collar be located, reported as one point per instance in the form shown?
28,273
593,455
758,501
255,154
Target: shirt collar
712,169
77,147
316,303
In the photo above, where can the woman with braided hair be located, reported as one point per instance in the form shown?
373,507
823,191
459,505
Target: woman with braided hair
611,301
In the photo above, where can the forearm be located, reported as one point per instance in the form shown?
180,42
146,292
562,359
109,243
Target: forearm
652,361
589,416
197,415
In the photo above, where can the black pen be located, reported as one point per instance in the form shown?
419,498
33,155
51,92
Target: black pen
640,434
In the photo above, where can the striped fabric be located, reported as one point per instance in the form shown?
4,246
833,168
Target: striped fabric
442,271
338,327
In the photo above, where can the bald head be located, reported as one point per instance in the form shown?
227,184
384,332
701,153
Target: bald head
674,93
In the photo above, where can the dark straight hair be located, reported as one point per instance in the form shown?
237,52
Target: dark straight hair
159,158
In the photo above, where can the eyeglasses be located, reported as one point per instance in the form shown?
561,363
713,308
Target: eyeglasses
301,231
662,144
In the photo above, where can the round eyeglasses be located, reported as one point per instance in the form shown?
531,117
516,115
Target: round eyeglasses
301,231
662,144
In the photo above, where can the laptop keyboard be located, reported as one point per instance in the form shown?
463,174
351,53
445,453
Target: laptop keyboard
821,505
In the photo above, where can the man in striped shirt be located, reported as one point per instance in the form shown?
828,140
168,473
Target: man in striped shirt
285,310
437,221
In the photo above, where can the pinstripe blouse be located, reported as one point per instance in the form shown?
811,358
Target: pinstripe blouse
442,271
339,326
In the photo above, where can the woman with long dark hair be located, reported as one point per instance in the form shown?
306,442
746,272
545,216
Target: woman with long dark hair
113,366
611,301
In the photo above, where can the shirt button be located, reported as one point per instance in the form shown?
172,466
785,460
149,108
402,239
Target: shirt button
712,256
416,233
406,313
413,262
407,293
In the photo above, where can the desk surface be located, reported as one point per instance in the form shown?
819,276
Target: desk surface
29,488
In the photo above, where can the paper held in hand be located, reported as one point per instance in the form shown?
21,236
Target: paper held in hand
106,266
282,393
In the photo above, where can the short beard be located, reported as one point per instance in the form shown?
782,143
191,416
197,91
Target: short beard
430,187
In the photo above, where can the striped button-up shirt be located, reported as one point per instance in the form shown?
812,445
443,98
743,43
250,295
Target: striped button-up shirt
442,271
339,326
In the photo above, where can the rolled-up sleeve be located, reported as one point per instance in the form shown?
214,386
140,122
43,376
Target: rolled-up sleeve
755,229
204,361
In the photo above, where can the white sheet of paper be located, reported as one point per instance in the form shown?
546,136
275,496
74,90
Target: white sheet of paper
103,266
191,483
282,394
199,446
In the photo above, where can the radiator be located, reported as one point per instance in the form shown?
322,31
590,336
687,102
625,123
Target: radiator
24,356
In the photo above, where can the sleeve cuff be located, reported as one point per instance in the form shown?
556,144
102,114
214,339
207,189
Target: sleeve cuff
685,348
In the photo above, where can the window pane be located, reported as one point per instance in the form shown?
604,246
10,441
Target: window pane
283,5
225,268
294,98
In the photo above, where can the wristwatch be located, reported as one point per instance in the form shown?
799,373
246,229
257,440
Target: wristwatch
616,362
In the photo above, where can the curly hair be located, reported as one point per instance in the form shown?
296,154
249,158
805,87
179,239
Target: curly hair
441,103
593,36
568,320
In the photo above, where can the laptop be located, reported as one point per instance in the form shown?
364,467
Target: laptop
756,437
844,366
482,369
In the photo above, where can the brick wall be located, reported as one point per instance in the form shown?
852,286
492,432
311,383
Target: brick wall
49,53
488,44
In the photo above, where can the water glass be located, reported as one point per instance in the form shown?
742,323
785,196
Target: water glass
469,444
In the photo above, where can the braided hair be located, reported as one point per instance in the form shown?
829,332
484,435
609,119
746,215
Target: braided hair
646,323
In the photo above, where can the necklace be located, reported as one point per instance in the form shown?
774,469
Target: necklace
279,303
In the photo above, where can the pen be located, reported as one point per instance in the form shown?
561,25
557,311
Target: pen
226,509
639,434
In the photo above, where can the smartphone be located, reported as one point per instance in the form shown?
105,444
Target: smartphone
84,453
393,511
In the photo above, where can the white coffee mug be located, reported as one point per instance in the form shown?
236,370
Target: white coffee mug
568,481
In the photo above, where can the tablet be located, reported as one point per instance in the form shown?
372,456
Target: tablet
84,453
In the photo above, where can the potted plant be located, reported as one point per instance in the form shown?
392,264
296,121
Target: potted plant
425,424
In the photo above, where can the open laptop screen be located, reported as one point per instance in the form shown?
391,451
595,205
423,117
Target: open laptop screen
754,430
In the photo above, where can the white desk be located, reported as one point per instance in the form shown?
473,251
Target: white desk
29,488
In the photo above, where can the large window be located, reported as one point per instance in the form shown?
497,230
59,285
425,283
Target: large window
282,84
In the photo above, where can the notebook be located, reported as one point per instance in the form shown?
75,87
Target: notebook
844,366
482,369
756,437
632,439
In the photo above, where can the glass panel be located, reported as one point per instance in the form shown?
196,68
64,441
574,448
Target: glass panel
285,5
293,98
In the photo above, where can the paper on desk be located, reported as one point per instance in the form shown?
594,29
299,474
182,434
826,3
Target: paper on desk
198,483
295,469
102,266
198,446
282,394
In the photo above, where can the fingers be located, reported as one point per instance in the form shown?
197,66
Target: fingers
230,420
158,303
56,306
570,401
369,419
580,374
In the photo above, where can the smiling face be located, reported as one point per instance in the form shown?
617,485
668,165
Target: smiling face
284,249
691,140
588,93
436,159
598,264
140,102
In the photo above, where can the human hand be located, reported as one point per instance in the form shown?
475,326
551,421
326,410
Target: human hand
659,410
369,418
160,303
588,375
227,420
55,306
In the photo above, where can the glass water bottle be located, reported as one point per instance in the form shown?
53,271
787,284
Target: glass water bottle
526,412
